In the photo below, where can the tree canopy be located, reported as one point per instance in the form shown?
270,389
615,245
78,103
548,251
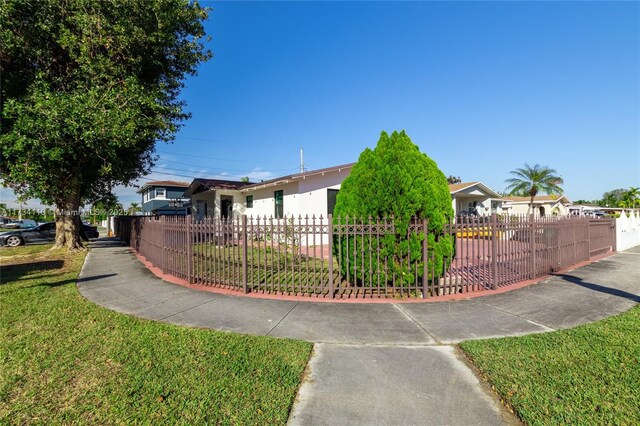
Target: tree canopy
88,88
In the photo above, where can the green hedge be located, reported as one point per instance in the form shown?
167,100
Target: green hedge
395,180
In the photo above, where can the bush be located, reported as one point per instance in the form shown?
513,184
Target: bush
395,180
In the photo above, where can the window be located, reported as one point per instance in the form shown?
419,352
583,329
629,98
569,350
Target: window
249,201
331,200
278,198
161,193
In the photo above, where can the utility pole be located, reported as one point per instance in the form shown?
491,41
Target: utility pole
301,161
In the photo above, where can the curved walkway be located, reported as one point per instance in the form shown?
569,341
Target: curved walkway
114,278
383,364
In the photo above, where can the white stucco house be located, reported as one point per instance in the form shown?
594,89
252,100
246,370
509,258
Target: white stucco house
542,205
309,193
475,198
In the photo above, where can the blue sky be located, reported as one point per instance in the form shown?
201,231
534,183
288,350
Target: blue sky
481,87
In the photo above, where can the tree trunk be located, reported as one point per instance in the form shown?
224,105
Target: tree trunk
68,224
530,212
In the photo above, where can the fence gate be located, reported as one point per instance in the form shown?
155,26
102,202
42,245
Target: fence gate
602,234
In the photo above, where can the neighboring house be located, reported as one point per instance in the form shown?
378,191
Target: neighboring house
593,210
542,205
475,198
308,193
164,197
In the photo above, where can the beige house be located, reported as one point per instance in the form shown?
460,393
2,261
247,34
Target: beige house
542,205
475,198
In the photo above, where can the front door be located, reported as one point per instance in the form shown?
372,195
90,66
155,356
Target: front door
226,208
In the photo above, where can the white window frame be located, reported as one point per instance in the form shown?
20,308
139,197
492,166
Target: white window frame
164,193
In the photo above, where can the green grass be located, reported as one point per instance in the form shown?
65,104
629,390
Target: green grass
24,250
66,360
586,375
279,271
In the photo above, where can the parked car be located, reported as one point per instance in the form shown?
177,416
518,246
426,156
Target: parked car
20,224
45,233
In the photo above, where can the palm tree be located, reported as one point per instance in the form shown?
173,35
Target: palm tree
533,180
133,208
630,197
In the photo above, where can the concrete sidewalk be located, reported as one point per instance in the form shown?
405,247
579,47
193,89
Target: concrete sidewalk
376,363
114,278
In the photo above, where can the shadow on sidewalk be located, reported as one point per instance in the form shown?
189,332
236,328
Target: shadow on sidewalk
105,242
95,277
596,287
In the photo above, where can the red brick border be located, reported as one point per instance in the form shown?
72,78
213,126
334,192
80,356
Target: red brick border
451,297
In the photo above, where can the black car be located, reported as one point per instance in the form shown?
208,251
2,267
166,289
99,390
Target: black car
45,233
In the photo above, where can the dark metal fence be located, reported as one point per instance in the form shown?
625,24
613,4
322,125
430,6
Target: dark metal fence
347,258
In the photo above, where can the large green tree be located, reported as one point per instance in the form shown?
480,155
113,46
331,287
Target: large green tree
613,198
395,180
88,88
532,180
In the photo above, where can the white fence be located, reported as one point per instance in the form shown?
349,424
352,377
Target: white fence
627,230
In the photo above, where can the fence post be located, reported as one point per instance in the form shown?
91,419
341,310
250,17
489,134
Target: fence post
330,243
589,238
189,248
614,242
532,243
244,254
425,259
164,244
494,250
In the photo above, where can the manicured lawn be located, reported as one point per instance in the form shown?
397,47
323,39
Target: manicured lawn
23,250
66,360
586,375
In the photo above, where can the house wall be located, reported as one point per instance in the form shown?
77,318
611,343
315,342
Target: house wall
302,197
313,192
264,202
198,204
239,206
213,203
461,200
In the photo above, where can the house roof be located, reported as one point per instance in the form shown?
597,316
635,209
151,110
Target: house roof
210,184
163,183
288,178
457,187
539,199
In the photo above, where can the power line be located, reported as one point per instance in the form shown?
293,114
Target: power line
234,170
208,158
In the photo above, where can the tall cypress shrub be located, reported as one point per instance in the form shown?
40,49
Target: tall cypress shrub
394,180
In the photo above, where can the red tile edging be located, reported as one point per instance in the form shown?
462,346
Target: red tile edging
451,297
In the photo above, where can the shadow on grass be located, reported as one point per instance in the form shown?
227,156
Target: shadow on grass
46,284
15,272
597,287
